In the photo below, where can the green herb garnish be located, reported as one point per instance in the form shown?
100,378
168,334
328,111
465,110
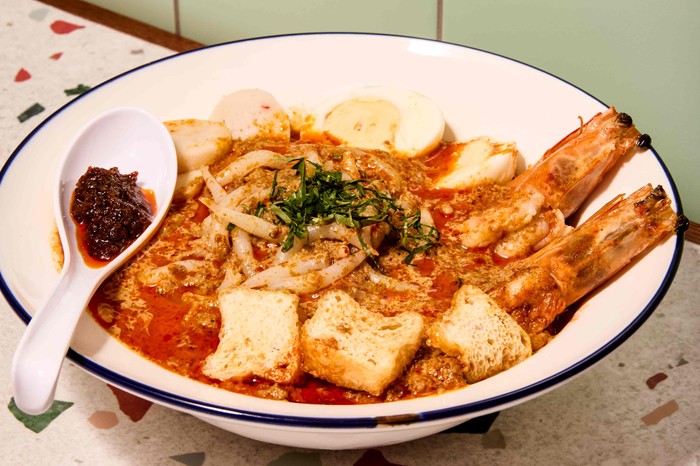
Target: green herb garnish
259,209
323,197
416,237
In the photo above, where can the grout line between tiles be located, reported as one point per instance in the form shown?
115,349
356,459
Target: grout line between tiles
176,12
125,24
439,20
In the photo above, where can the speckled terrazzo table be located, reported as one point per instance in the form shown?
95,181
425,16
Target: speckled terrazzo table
641,405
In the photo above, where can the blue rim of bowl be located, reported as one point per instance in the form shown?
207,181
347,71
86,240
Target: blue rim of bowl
477,408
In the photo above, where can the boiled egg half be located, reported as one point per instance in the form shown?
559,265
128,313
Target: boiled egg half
393,119
479,161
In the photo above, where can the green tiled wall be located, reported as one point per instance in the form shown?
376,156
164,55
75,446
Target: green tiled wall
212,21
158,13
642,56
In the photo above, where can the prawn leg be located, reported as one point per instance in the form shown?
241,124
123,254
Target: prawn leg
543,285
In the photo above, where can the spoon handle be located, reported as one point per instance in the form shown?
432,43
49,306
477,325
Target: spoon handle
39,355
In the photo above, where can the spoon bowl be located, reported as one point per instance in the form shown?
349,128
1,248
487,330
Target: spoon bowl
131,140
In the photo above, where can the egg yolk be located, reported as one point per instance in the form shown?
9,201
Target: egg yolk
369,123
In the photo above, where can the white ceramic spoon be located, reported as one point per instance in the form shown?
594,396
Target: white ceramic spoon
131,140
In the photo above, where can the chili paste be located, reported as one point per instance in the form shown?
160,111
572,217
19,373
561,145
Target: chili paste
111,210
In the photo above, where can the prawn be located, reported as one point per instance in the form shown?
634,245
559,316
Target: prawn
540,287
561,180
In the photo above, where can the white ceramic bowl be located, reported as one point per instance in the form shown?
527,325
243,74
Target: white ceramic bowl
479,93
